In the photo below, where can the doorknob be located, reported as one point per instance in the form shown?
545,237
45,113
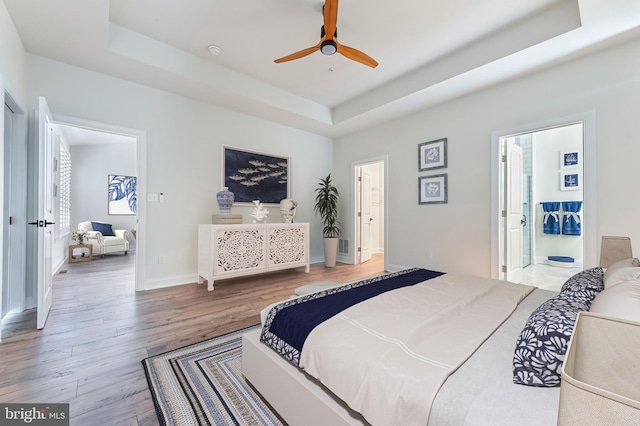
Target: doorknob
41,223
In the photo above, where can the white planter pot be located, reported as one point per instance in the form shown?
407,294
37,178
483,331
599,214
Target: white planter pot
330,251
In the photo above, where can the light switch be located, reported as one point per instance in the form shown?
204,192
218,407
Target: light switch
152,197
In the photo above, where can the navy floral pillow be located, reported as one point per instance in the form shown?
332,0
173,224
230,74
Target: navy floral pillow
542,344
586,284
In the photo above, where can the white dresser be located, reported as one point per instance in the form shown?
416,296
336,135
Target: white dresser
227,251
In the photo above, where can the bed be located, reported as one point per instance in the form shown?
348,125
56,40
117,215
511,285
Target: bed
476,384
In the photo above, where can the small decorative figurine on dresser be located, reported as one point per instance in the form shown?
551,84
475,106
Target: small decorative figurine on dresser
259,212
288,209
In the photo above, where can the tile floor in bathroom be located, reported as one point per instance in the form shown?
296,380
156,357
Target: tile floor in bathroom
546,276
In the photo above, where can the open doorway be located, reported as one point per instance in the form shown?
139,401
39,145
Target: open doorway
545,183
369,211
77,129
99,156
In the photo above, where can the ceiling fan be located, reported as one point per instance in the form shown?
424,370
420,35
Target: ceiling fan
328,44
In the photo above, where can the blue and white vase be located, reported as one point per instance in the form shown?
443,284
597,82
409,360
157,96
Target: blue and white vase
225,200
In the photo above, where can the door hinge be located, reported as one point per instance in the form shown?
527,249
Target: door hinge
504,268
504,213
359,249
504,158
359,214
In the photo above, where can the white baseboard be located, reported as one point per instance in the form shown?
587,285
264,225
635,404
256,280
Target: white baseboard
56,268
344,259
396,268
171,281
339,258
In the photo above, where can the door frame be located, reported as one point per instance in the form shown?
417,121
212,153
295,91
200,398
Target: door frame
353,216
15,265
20,126
588,119
141,173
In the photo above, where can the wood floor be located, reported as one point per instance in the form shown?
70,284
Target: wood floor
99,330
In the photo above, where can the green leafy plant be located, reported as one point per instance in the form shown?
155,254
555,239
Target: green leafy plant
327,206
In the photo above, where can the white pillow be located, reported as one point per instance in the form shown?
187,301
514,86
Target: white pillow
624,270
620,301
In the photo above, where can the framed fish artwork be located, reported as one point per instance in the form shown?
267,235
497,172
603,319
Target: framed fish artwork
253,175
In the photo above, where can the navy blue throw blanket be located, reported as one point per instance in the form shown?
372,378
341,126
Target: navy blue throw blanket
307,315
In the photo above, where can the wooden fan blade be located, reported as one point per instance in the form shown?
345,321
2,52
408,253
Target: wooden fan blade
330,12
298,55
356,55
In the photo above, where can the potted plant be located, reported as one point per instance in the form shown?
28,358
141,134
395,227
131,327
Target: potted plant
327,206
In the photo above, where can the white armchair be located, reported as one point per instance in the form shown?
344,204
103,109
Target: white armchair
103,244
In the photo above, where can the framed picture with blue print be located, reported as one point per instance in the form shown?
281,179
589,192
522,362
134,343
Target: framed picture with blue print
432,189
570,159
570,181
122,195
432,155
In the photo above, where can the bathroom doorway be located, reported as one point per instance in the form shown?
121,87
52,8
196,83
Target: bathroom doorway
551,173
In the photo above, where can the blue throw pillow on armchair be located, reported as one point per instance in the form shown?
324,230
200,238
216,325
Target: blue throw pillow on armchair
103,228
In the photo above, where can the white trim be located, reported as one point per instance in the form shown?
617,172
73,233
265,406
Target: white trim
352,209
395,268
17,292
141,173
588,118
171,281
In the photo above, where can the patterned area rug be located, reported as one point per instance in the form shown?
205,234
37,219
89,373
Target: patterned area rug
202,384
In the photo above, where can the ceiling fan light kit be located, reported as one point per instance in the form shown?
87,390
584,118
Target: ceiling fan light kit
328,47
328,44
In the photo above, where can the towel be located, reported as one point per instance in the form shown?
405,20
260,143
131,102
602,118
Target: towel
571,223
551,218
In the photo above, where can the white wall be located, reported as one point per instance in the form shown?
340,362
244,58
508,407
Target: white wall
547,146
91,165
184,139
458,233
12,59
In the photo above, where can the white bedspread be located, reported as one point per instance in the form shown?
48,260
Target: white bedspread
388,356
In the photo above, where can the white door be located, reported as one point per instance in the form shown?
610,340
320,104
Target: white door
365,217
44,203
6,237
514,212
